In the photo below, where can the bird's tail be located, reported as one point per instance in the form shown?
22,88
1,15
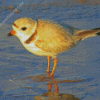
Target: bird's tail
83,34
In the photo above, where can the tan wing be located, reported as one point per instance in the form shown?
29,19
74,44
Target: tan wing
52,37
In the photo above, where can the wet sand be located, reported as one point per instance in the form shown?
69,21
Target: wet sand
23,75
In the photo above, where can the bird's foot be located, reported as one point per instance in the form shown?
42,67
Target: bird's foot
52,74
48,72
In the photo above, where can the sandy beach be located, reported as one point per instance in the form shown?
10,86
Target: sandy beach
23,75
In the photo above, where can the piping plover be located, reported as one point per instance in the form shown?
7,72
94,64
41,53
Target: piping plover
48,38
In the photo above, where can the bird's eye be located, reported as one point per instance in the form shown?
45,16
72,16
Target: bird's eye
23,28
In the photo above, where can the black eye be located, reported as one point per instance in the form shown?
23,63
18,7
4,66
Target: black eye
23,28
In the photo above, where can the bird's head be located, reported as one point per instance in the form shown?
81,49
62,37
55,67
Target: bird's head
23,28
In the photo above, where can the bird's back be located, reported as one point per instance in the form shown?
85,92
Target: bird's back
53,37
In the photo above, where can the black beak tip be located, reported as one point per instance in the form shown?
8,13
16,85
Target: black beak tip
9,34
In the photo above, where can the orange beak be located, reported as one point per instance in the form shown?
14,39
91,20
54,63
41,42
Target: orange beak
13,32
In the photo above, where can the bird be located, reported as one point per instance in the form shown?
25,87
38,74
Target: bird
49,38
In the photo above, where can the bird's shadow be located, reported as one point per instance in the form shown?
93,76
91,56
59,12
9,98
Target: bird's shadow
51,80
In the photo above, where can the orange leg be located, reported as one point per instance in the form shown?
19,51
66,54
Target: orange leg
55,83
50,85
54,67
56,88
48,69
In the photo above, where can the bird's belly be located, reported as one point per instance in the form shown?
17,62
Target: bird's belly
35,50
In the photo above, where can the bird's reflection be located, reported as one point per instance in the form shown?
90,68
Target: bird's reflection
49,95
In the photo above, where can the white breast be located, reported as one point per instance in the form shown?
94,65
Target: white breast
34,49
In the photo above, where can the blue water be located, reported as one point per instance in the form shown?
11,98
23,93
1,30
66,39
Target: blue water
23,75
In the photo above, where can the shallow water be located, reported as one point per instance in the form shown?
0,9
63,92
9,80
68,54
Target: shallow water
23,75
